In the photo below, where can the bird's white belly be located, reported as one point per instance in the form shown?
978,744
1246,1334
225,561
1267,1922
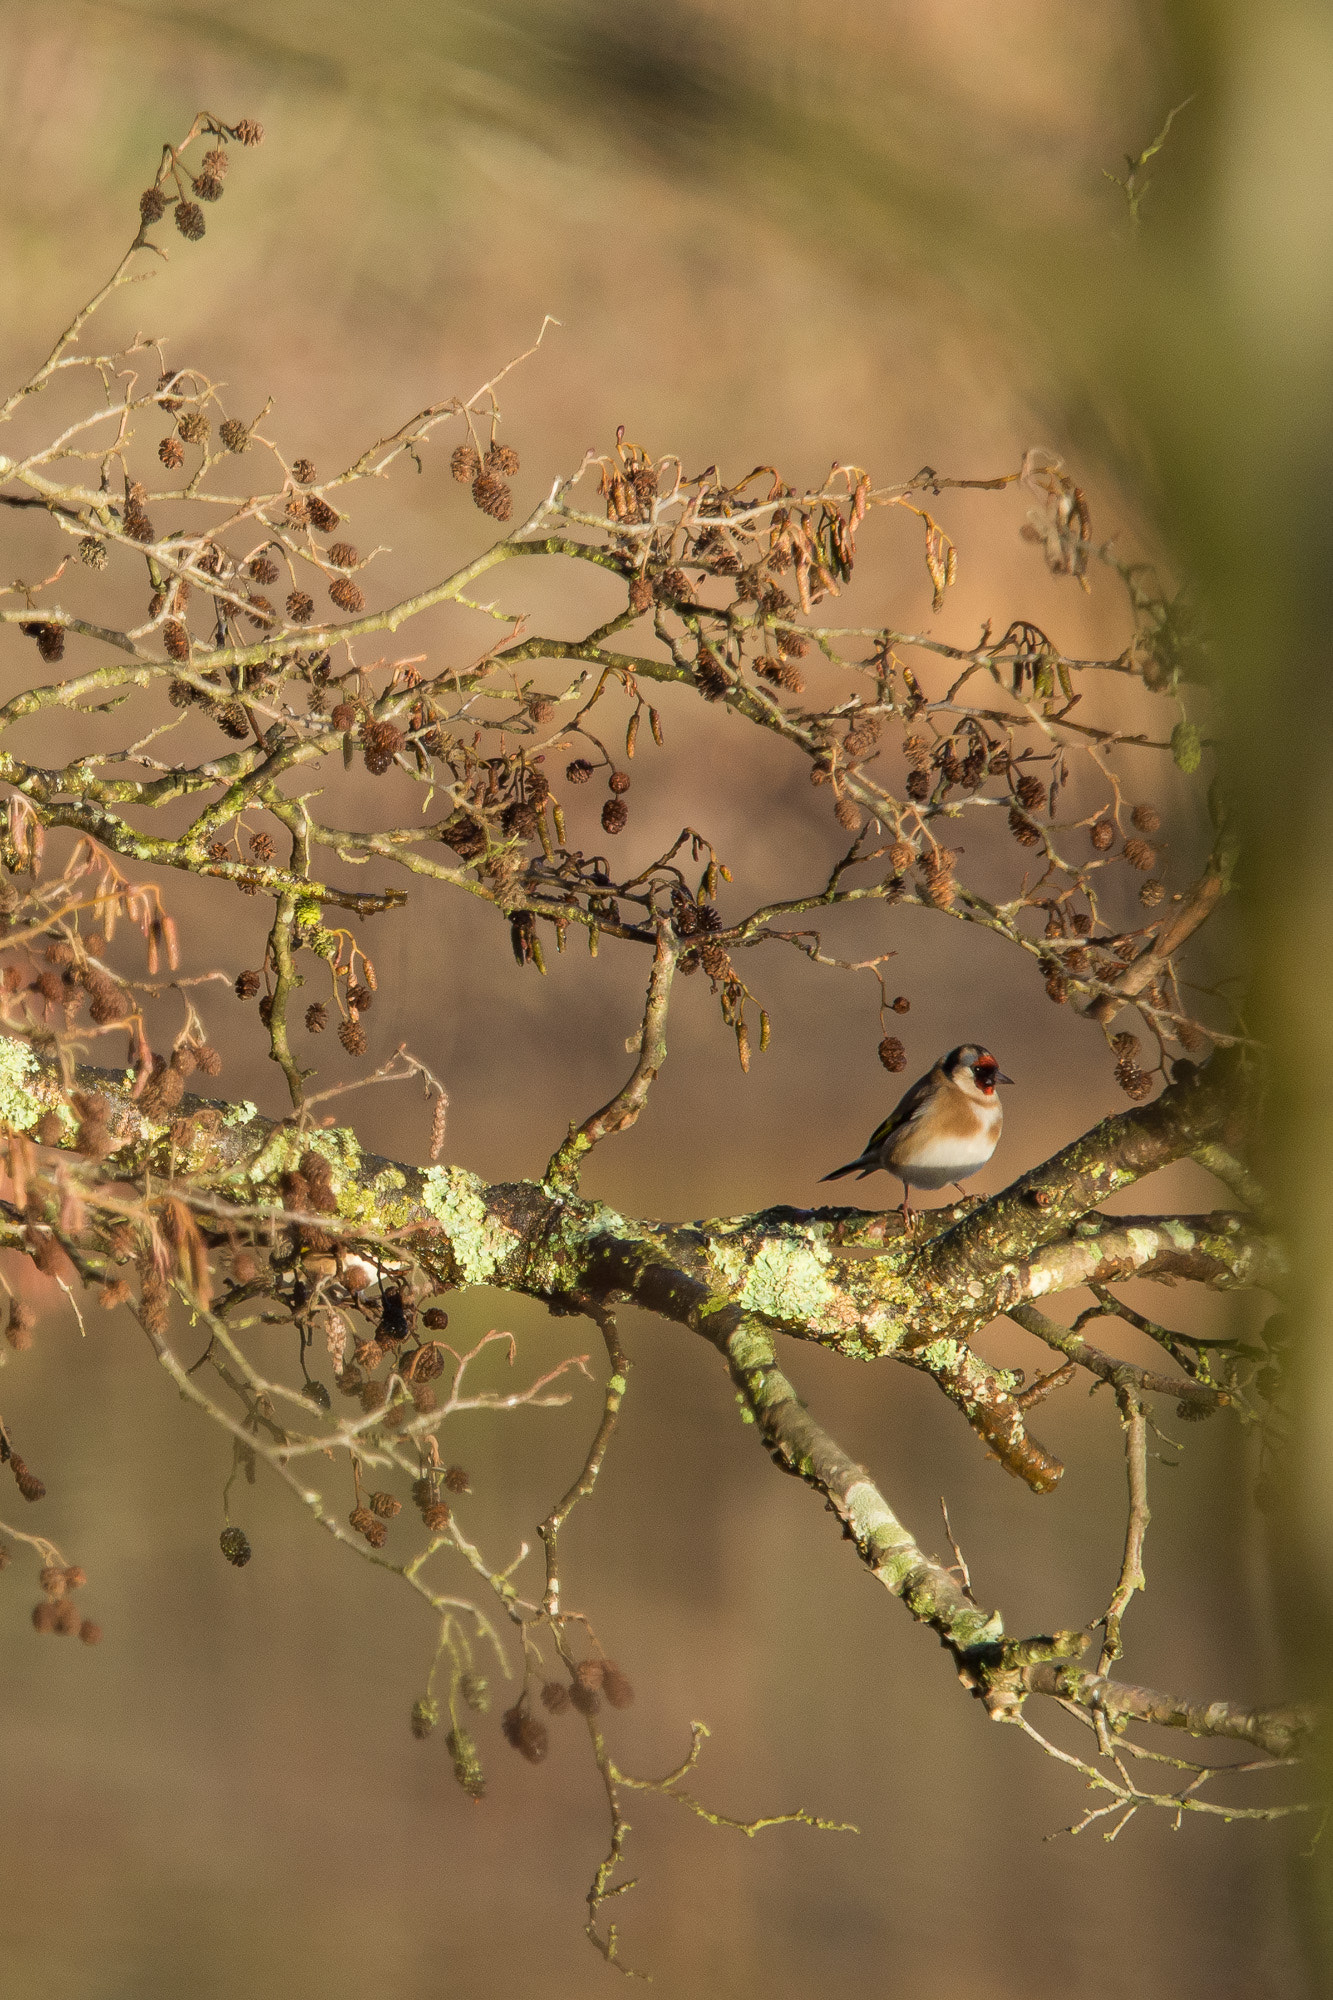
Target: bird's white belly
935,1162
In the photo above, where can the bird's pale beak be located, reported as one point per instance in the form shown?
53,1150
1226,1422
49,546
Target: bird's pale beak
1002,1078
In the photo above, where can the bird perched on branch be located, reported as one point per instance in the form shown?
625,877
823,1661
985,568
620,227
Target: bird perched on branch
945,1127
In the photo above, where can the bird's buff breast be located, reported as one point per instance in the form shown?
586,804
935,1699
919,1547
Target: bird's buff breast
933,1161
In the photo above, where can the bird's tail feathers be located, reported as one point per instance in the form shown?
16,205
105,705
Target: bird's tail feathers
853,1166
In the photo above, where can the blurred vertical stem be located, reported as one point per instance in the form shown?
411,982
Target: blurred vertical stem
1227,349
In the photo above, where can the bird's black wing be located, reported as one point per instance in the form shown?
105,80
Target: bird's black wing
905,1109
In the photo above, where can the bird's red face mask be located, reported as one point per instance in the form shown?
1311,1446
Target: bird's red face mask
987,1074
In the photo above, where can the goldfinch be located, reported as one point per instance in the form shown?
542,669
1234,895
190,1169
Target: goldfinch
945,1127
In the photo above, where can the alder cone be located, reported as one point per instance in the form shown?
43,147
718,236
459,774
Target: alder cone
938,878
709,677
429,1362
50,639
616,1686
520,820
29,1485
527,1735
380,744
107,1002
490,493
466,835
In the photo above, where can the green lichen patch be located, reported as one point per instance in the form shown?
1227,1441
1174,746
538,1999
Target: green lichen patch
781,1279
556,1259
942,1356
22,1099
480,1244
1145,1243
338,1145
788,1281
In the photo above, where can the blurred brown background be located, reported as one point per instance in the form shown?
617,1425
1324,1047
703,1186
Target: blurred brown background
772,234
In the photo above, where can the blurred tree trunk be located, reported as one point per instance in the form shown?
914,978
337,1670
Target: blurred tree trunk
1229,348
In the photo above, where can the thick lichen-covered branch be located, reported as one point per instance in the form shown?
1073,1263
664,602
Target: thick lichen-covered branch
919,1300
